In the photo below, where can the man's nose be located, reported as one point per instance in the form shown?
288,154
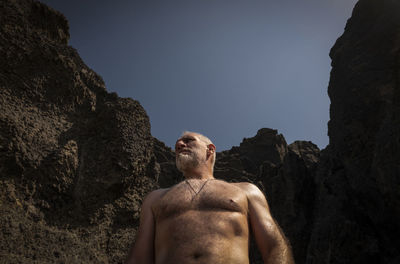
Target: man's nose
179,144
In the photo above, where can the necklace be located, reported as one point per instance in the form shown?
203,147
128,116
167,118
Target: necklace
201,188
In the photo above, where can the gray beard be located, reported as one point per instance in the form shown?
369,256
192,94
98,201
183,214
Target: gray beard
187,161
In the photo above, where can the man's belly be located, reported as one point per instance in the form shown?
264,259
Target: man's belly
200,236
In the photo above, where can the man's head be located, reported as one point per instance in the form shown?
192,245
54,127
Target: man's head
193,150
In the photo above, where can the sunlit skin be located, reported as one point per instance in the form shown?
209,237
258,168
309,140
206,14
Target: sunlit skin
205,220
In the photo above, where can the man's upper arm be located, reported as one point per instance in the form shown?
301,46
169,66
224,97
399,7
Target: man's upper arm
143,249
269,238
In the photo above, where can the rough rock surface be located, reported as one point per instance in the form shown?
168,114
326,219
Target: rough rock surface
76,161
358,199
73,157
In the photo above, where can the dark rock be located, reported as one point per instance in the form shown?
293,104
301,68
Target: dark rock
358,204
167,174
74,158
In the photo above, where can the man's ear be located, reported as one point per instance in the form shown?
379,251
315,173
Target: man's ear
211,148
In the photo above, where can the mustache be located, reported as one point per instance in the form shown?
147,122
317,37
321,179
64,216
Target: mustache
184,151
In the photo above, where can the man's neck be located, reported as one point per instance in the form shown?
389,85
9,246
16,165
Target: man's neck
198,174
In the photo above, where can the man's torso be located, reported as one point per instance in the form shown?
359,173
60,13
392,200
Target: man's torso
199,221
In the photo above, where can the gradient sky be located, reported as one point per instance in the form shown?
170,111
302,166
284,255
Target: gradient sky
224,68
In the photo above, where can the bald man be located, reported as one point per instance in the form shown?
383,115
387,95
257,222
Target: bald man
205,220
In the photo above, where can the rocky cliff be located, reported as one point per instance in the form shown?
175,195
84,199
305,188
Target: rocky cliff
74,158
358,204
76,161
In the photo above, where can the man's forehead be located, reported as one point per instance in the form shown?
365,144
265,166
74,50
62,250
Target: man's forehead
189,136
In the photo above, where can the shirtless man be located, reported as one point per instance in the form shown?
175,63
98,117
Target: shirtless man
205,220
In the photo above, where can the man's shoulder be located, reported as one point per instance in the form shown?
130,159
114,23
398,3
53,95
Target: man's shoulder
250,189
158,192
153,196
246,186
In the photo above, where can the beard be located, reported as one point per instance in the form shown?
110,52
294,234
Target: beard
185,161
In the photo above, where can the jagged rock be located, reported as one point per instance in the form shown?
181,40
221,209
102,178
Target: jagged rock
358,204
74,158
167,173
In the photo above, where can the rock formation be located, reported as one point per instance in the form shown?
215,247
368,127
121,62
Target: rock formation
358,199
76,161
74,158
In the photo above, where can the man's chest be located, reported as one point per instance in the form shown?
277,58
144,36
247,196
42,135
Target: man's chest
206,196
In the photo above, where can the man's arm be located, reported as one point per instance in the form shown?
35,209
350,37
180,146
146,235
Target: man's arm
270,239
142,251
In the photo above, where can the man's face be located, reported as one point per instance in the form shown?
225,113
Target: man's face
190,151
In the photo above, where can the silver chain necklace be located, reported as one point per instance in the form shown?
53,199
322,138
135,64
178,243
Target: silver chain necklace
201,188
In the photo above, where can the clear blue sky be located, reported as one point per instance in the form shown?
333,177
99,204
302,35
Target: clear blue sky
225,68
